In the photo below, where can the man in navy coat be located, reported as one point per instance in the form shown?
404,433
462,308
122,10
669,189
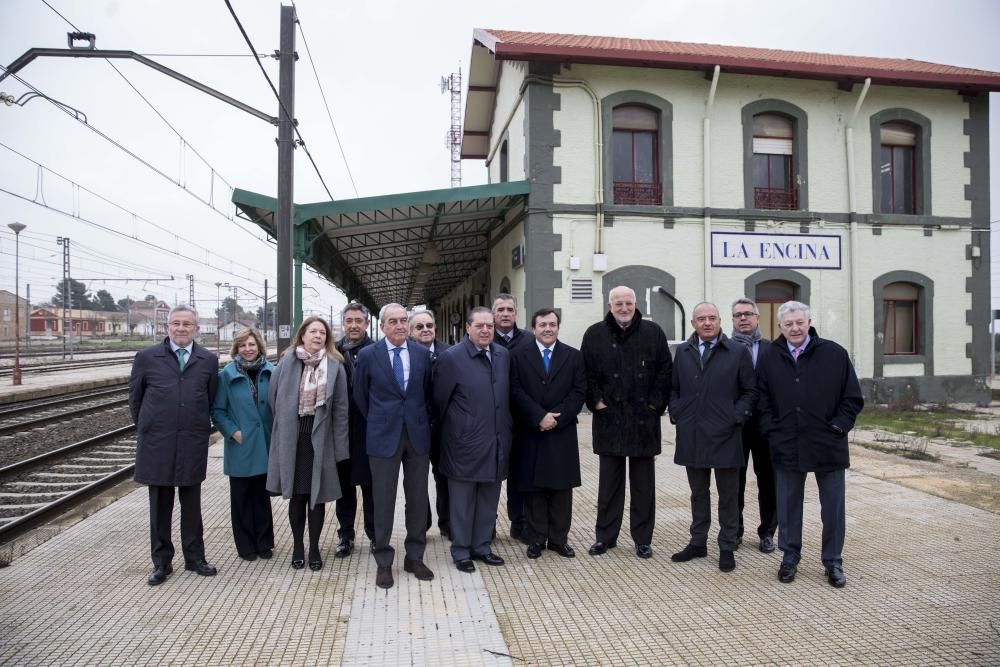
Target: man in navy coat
547,389
809,399
392,382
170,394
472,401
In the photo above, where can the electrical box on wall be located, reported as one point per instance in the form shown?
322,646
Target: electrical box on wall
574,263
600,262
517,257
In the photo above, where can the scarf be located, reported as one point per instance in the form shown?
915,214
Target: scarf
747,339
312,388
251,370
348,348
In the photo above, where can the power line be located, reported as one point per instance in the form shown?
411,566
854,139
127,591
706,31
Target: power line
278,97
312,63
135,215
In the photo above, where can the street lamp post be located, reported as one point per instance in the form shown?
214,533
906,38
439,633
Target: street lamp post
218,316
17,227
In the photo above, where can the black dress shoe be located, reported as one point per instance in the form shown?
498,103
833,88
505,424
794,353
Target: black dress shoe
598,548
383,577
159,574
489,558
727,561
266,554
767,544
535,550
564,550
249,557
689,552
202,568
417,569
643,551
315,564
836,577
298,563
344,549
786,573
465,565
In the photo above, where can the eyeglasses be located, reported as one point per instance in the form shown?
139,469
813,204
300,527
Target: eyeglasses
746,313
421,326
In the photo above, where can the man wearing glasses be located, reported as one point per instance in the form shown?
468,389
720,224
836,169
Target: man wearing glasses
423,330
170,394
746,330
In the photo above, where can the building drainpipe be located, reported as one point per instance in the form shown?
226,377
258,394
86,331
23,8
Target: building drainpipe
852,201
707,183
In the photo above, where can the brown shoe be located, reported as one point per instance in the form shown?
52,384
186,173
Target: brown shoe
417,569
383,577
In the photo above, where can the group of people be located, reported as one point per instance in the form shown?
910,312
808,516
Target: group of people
501,404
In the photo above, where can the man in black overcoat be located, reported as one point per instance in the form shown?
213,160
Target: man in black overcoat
507,335
547,388
423,330
746,330
170,394
711,397
809,399
355,470
471,390
627,364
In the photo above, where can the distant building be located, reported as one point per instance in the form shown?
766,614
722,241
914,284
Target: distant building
8,315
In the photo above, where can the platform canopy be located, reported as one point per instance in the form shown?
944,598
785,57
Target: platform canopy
410,248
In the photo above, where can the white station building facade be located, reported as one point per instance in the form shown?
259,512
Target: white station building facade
691,173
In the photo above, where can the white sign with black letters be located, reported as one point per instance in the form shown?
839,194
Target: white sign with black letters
786,251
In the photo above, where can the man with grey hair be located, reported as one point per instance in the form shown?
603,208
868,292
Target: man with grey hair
508,336
746,330
355,470
628,366
392,389
170,394
809,399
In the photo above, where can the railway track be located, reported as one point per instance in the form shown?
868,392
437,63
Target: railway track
24,417
67,365
36,490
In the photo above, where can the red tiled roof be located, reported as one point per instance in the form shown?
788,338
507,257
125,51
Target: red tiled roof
512,45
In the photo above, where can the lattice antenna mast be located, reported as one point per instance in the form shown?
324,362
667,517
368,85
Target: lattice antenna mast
453,139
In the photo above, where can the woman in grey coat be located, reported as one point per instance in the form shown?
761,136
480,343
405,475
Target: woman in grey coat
308,396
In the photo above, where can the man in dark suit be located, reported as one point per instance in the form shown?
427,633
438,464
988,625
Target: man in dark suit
508,336
472,402
354,471
547,388
711,396
809,399
423,329
746,330
392,390
170,394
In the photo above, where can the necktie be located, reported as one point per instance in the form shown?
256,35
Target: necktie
181,353
545,358
397,368
795,354
486,356
706,349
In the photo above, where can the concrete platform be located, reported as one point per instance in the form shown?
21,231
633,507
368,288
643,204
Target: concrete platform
924,588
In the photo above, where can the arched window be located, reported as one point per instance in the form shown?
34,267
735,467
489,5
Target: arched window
769,295
635,155
897,170
900,318
773,172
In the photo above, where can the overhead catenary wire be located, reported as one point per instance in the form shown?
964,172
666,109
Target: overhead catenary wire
214,171
274,90
329,114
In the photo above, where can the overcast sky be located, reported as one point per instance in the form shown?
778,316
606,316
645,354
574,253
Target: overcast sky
379,63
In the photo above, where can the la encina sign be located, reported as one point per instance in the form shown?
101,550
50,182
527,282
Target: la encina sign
788,251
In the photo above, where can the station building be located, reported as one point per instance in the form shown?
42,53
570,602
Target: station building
692,173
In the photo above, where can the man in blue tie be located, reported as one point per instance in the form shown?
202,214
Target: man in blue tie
171,390
809,399
547,389
392,382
